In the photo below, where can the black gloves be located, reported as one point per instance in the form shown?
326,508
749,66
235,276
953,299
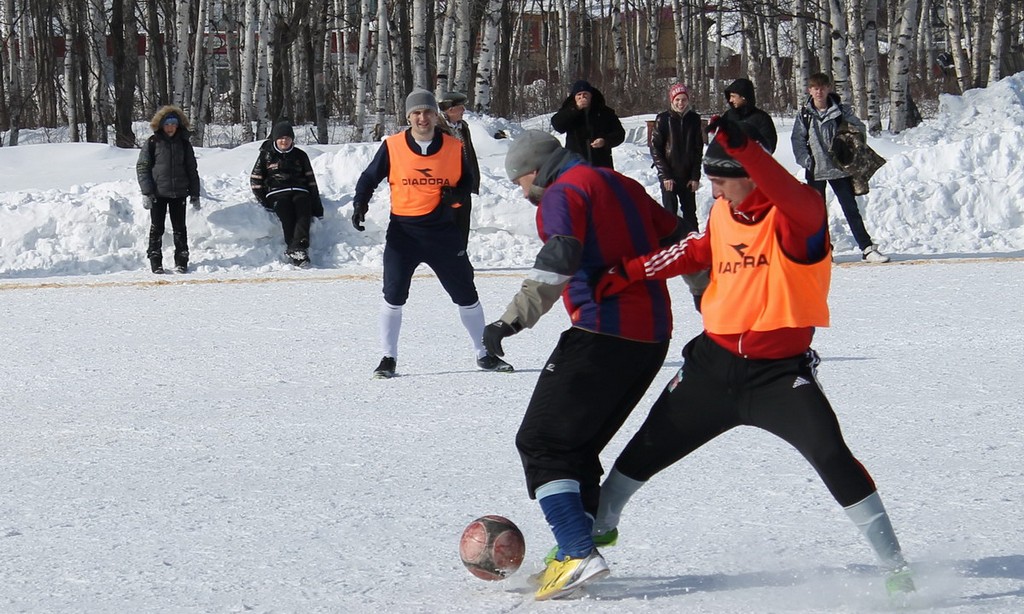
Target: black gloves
451,196
359,215
735,136
494,333
194,200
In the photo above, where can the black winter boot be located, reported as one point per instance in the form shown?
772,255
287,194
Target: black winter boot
156,265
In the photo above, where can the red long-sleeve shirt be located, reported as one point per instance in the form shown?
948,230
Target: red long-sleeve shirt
802,231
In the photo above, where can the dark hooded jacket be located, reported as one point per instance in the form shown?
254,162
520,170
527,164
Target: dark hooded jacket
278,171
461,132
167,165
581,126
749,112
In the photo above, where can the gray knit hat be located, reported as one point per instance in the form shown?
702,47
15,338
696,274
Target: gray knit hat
528,152
419,99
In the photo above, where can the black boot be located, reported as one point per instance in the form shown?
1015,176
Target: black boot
181,262
156,265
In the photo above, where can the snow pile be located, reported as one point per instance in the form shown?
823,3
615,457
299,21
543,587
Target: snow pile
952,186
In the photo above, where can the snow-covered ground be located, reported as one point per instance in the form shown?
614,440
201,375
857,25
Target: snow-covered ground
213,442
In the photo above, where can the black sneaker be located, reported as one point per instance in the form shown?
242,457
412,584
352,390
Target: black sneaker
386,368
490,362
298,257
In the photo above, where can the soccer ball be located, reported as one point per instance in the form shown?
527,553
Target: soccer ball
492,547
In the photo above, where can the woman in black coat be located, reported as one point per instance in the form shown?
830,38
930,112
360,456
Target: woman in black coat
591,128
167,174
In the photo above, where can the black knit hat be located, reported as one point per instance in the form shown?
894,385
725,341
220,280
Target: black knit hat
718,162
282,129
581,86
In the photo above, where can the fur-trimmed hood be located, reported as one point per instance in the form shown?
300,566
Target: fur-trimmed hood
164,111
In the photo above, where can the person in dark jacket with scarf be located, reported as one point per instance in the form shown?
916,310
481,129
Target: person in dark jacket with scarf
168,173
743,108
590,127
283,182
453,106
677,145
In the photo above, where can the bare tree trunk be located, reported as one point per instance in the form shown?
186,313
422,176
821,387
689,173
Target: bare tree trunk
12,101
380,96
899,66
620,48
855,59
263,57
982,15
180,51
872,80
486,62
72,21
420,75
463,45
249,69
801,52
363,63
445,55
124,37
840,61
956,45
97,68
1000,39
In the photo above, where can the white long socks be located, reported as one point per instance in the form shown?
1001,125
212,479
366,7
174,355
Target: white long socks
873,521
390,317
473,319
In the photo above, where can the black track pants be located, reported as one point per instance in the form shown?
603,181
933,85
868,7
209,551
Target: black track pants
716,391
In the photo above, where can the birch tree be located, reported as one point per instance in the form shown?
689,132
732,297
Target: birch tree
956,45
363,63
840,62
420,71
180,50
872,79
486,61
124,36
249,69
899,65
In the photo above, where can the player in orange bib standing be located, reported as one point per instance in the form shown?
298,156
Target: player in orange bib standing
429,179
768,251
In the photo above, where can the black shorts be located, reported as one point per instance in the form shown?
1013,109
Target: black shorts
433,240
585,392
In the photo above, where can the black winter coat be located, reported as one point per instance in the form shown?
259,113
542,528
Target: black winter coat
750,114
167,166
277,171
471,164
581,126
677,145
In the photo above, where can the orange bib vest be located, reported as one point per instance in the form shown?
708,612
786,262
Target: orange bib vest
754,285
416,180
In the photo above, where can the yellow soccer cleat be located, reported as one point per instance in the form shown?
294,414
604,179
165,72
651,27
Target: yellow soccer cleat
563,578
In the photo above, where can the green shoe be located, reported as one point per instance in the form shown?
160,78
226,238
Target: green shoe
608,538
900,584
